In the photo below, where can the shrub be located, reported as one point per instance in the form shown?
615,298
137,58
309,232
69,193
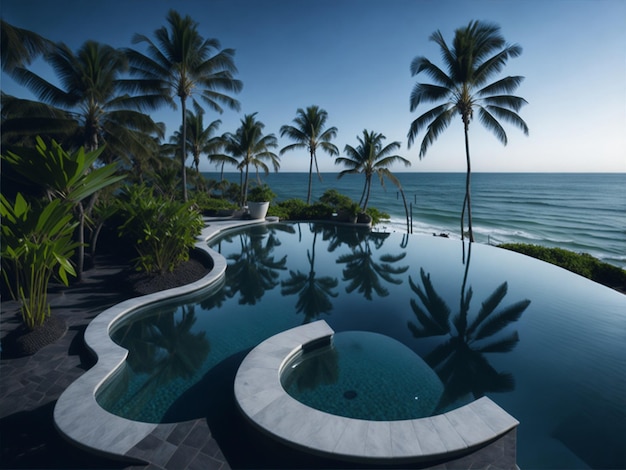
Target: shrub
208,205
161,230
580,263
335,199
36,245
262,193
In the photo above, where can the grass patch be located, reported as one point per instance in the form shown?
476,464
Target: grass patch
580,263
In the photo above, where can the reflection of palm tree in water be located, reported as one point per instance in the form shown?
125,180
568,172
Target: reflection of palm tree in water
165,348
365,274
313,292
459,360
254,269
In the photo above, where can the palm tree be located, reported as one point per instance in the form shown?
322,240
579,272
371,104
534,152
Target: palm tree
250,147
91,93
369,158
178,62
478,53
200,139
309,133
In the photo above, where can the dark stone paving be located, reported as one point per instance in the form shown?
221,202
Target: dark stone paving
30,386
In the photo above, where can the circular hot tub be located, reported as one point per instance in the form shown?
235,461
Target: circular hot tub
262,399
363,375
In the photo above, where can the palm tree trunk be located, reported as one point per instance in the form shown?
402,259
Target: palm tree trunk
184,149
406,210
468,197
245,188
308,195
367,194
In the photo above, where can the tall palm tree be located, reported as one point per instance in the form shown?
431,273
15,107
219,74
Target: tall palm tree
309,133
250,147
90,91
478,53
369,158
178,62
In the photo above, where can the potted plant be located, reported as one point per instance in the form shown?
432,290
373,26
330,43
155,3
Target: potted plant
259,199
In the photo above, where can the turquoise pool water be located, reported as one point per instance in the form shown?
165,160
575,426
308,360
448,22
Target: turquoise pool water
546,345
364,375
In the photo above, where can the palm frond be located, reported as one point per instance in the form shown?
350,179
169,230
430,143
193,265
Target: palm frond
492,124
509,116
434,130
426,93
504,85
425,119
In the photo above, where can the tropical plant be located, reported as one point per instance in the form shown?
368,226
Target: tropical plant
369,158
250,147
261,193
71,177
309,133
36,245
178,62
478,53
161,230
91,91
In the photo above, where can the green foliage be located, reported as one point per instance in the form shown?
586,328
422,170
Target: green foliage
580,263
261,193
161,230
335,199
208,205
377,215
70,176
36,245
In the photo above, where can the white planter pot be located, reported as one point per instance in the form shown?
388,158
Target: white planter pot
258,210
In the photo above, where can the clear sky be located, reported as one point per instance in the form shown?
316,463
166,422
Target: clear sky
352,57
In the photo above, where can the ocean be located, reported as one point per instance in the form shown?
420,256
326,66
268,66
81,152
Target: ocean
584,213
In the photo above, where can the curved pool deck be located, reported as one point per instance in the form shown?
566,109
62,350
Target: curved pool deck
263,400
77,415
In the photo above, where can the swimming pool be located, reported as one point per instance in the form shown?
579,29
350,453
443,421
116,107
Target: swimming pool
550,350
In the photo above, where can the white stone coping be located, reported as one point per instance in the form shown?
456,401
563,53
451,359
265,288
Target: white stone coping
77,415
263,400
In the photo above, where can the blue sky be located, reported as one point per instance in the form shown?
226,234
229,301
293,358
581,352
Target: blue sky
352,57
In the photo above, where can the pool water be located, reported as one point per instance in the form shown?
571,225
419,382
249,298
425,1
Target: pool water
364,375
546,345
